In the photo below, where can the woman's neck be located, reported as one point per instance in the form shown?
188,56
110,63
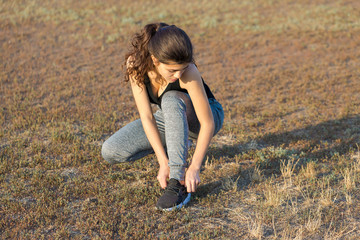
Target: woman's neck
156,79
157,82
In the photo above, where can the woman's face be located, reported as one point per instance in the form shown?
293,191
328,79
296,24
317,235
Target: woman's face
171,72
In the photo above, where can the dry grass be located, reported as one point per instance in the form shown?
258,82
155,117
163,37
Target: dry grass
285,165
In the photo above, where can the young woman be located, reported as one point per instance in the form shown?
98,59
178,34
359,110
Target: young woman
161,70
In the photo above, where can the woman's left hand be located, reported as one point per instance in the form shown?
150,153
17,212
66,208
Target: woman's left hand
192,179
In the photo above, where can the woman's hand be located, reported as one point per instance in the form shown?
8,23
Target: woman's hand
163,175
192,179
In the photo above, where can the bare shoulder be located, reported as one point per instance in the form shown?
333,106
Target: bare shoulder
130,61
191,74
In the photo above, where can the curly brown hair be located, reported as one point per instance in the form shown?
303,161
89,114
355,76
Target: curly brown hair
168,44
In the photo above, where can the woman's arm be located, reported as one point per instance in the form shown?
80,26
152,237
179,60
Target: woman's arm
149,124
192,82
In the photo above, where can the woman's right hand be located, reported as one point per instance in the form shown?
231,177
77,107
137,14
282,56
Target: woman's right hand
163,175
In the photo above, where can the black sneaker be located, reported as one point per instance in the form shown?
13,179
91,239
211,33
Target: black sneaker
175,196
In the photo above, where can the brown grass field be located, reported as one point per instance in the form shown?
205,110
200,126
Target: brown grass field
286,164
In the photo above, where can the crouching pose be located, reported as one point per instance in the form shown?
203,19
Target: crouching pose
161,70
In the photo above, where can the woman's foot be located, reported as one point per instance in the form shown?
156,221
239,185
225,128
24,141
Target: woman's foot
174,197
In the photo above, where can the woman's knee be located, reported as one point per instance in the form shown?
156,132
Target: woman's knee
173,99
111,154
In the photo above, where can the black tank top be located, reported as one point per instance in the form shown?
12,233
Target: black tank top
171,86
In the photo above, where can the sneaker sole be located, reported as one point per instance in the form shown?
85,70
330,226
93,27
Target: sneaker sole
183,203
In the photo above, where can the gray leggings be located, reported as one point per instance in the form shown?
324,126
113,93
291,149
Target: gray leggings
176,121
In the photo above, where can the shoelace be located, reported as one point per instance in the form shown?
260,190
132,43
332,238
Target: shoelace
173,187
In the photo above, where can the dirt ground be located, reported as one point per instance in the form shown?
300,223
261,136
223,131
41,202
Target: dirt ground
287,74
